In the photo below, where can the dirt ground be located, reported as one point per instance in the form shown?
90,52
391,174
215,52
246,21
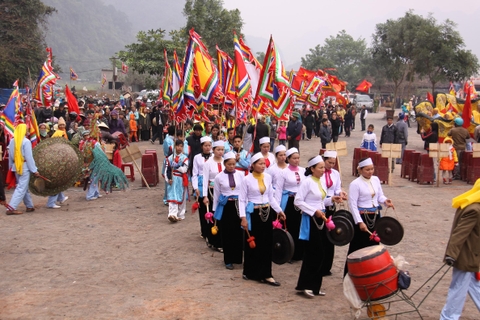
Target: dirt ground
119,257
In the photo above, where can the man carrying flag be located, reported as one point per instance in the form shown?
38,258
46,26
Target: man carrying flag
22,163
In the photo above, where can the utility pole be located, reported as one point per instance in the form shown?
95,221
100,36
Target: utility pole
114,68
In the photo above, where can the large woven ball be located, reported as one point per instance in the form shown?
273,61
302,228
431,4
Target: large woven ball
59,161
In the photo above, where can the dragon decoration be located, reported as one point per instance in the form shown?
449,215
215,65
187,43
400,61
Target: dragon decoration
448,108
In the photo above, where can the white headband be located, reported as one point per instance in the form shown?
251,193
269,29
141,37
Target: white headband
264,140
330,154
228,156
256,157
205,139
366,162
314,161
279,149
219,143
291,151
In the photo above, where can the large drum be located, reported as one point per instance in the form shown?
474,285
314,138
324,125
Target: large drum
373,273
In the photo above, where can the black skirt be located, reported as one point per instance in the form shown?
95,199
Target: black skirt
232,234
329,248
311,275
361,239
294,219
214,240
258,261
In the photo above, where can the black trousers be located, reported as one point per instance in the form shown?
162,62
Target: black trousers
294,219
360,239
311,276
232,234
158,133
309,132
363,123
347,131
329,248
214,240
258,261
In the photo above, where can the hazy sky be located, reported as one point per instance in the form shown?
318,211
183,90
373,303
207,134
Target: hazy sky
299,25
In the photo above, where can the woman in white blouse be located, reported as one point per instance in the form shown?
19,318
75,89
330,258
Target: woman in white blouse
331,179
197,181
364,197
258,209
211,168
276,169
312,198
225,204
286,187
265,150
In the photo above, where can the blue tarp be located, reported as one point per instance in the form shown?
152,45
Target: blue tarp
5,94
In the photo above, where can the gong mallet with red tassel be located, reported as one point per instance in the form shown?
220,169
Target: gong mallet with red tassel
374,236
250,240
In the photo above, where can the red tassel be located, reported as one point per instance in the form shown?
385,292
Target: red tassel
195,206
10,180
477,276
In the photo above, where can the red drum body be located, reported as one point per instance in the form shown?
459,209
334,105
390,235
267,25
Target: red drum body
373,273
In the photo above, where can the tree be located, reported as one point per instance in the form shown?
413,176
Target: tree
146,55
213,23
343,53
260,56
441,56
22,39
395,47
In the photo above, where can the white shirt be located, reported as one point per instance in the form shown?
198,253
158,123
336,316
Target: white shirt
309,197
336,188
251,193
275,171
222,186
360,195
287,180
197,171
210,171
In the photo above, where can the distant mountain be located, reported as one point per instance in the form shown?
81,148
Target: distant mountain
148,14
83,34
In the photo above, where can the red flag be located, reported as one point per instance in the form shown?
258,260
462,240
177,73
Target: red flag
364,86
430,97
71,101
467,111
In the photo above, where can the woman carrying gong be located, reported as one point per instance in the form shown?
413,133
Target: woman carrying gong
312,198
364,197
258,209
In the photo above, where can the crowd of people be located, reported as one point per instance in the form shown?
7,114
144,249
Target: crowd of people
243,185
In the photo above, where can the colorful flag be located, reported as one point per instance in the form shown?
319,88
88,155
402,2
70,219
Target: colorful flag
167,82
10,112
104,79
301,80
31,121
124,68
71,101
73,75
315,85
274,86
243,89
252,65
451,89
467,110
43,91
200,75
364,86
226,73
178,105
430,97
